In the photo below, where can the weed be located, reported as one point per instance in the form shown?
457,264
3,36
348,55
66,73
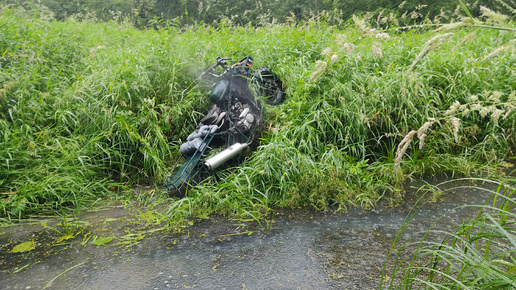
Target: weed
479,253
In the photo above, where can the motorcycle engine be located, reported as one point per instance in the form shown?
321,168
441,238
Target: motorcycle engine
243,117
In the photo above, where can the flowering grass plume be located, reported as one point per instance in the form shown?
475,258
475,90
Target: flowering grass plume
402,148
466,39
320,68
493,16
499,50
348,47
377,51
456,126
432,44
421,132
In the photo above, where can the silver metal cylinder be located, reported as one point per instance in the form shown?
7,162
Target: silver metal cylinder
224,156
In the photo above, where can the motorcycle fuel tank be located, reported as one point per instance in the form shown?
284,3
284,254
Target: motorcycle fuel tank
218,91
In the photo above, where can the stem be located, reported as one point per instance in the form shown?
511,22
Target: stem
50,283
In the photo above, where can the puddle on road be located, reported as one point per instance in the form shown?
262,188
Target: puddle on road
301,250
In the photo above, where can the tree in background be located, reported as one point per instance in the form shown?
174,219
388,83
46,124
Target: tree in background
243,12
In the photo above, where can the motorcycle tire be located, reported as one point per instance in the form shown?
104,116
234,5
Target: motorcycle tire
270,86
277,98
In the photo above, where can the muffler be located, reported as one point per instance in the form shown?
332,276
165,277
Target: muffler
222,157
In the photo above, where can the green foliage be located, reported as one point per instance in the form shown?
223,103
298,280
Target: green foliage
89,108
80,110
477,254
97,241
151,13
23,247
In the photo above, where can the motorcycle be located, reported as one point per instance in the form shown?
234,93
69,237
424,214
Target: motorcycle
233,121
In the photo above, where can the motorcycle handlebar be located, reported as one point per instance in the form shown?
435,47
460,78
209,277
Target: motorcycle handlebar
220,61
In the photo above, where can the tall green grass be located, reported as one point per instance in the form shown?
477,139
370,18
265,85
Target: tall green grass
477,254
81,106
89,108
335,140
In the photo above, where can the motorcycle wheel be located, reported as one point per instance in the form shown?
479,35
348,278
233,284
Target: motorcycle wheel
277,98
270,86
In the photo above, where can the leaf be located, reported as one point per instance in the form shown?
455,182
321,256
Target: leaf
102,241
60,239
466,10
24,247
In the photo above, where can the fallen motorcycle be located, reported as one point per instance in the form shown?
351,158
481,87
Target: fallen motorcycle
232,123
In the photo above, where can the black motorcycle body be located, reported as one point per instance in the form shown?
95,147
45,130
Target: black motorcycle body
232,122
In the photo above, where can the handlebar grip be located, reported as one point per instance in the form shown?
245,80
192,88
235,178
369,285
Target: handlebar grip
222,61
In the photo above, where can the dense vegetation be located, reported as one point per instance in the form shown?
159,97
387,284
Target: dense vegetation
476,254
213,12
91,108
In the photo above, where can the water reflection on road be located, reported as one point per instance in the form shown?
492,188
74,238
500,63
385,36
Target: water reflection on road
302,250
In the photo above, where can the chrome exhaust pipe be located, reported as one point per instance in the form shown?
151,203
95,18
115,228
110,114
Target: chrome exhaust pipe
224,156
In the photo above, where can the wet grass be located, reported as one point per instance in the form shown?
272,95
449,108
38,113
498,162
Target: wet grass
119,227
91,109
477,254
